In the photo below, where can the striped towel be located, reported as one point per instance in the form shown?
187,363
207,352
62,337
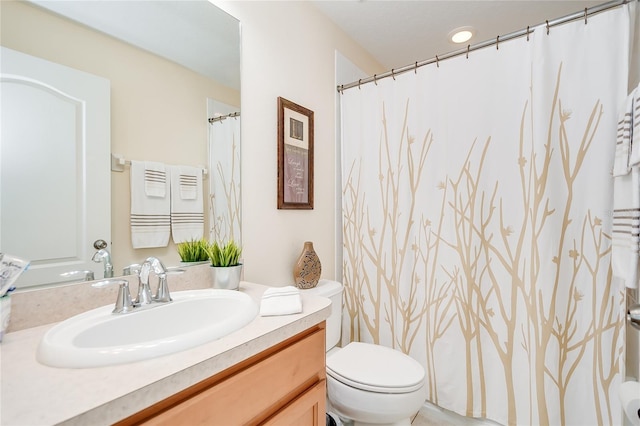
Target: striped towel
187,204
189,185
150,214
626,198
634,127
155,179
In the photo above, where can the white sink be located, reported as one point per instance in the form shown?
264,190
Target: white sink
98,338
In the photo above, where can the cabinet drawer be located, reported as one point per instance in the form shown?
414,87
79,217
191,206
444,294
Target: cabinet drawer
256,392
306,410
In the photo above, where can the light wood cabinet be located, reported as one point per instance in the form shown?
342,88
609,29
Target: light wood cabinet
284,385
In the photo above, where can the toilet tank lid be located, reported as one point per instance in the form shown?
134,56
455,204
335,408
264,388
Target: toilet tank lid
376,368
325,288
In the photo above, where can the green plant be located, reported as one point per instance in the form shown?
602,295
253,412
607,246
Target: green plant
224,255
194,250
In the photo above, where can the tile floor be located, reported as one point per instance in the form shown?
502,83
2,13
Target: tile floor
426,417
434,416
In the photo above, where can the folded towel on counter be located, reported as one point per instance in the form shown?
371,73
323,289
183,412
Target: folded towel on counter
155,179
626,205
187,204
281,301
150,215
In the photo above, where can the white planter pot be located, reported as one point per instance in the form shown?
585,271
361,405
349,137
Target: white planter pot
226,277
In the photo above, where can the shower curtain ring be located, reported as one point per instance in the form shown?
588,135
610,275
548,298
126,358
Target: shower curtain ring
375,79
392,74
468,47
585,16
437,62
415,69
359,82
547,27
527,33
498,43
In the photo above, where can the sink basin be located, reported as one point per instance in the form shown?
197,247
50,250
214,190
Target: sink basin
98,338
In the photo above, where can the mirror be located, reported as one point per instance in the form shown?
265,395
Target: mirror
170,65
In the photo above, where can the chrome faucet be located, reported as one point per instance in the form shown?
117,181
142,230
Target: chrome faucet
144,290
145,299
104,256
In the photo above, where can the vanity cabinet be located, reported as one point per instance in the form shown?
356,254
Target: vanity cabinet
283,385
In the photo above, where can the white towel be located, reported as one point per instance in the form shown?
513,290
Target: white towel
626,205
635,128
622,160
150,215
155,179
281,301
189,186
187,205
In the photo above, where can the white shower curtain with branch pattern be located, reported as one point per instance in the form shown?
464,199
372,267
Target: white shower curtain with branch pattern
224,195
477,197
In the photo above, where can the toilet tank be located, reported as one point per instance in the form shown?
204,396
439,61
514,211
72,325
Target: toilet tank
333,291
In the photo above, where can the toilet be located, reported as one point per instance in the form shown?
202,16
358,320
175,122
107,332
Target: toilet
367,383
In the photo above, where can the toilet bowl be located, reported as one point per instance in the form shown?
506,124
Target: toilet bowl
368,383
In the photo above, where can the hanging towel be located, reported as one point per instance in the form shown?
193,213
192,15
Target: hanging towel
634,127
187,206
189,186
626,201
155,179
281,301
150,214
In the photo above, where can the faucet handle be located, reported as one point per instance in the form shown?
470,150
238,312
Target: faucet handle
163,295
123,301
132,269
88,275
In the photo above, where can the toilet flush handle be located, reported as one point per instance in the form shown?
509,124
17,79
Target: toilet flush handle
633,316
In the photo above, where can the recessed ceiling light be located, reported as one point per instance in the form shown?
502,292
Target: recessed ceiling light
461,35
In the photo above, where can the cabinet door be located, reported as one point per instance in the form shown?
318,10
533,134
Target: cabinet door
306,410
256,392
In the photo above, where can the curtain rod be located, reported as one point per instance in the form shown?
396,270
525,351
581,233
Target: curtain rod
493,42
223,117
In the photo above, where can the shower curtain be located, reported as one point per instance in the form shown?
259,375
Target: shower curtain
477,198
224,182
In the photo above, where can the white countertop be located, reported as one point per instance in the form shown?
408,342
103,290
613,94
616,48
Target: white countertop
34,394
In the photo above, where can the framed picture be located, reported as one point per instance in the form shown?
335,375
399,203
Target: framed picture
295,156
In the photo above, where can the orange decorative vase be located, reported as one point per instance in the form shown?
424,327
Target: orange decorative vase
306,272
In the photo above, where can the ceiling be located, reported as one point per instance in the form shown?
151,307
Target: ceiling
395,32
401,32
192,33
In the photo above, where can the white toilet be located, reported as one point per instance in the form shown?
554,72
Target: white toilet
367,383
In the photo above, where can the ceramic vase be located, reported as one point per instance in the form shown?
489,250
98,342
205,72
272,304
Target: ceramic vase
226,277
307,269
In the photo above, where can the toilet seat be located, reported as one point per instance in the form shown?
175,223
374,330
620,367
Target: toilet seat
375,368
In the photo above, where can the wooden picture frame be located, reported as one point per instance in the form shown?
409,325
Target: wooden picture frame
295,156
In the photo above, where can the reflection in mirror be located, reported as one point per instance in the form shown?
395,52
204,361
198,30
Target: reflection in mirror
224,165
164,60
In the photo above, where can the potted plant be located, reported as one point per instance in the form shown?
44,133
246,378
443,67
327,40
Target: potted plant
226,268
194,251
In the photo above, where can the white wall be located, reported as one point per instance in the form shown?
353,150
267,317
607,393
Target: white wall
288,50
